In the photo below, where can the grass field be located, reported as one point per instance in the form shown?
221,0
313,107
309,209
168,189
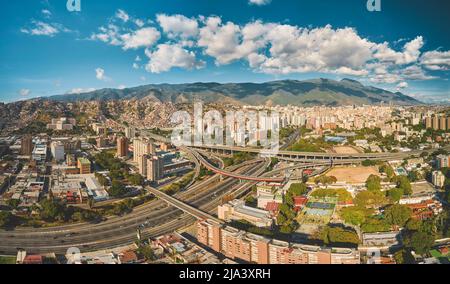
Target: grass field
353,174
443,258
7,260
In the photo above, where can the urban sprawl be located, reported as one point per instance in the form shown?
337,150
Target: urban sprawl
349,185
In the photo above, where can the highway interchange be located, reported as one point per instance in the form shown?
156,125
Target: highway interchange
157,217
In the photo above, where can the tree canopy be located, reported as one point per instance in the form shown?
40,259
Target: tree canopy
398,214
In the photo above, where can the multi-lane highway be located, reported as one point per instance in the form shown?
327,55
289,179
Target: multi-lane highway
315,156
157,217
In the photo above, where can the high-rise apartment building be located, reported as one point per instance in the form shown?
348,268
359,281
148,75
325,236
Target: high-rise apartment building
122,147
57,149
142,147
155,166
26,147
438,178
84,165
130,132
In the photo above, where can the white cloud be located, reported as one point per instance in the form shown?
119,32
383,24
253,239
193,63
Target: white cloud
415,72
178,26
402,85
100,75
410,54
47,14
24,92
110,34
436,60
121,14
40,28
259,2
144,37
140,23
222,41
121,87
275,48
80,91
167,56
135,65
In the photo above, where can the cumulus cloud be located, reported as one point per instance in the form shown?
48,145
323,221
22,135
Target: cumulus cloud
178,26
80,91
402,85
121,14
415,72
410,53
222,41
144,37
436,60
24,92
259,2
39,28
140,38
100,75
275,48
167,56
46,13
140,23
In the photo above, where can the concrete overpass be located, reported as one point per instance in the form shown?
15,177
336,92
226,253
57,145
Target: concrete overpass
200,215
207,165
311,156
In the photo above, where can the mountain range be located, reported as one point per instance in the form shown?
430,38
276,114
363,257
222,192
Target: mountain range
299,93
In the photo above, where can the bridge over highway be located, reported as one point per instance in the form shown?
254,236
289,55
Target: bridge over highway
200,215
309,156
206,164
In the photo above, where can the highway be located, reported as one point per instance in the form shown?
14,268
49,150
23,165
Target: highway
156,215
226,173
315,156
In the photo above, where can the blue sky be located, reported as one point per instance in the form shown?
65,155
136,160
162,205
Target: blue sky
47,50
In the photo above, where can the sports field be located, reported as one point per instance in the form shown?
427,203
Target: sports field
345,150
353,174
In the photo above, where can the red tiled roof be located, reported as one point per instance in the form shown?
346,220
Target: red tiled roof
128,256
33,259
300,200
272,206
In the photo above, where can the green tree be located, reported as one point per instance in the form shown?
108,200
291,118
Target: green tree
413,225
387,169
369,199
339,235
147,252
374,225
136,179
395,194
368,163
5,218
298,189
420,242
355,215
117,189
403,256
373,183
397,214
404,183
413,176
52,210
13,203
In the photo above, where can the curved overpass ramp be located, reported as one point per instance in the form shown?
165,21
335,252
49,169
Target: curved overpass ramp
207,165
